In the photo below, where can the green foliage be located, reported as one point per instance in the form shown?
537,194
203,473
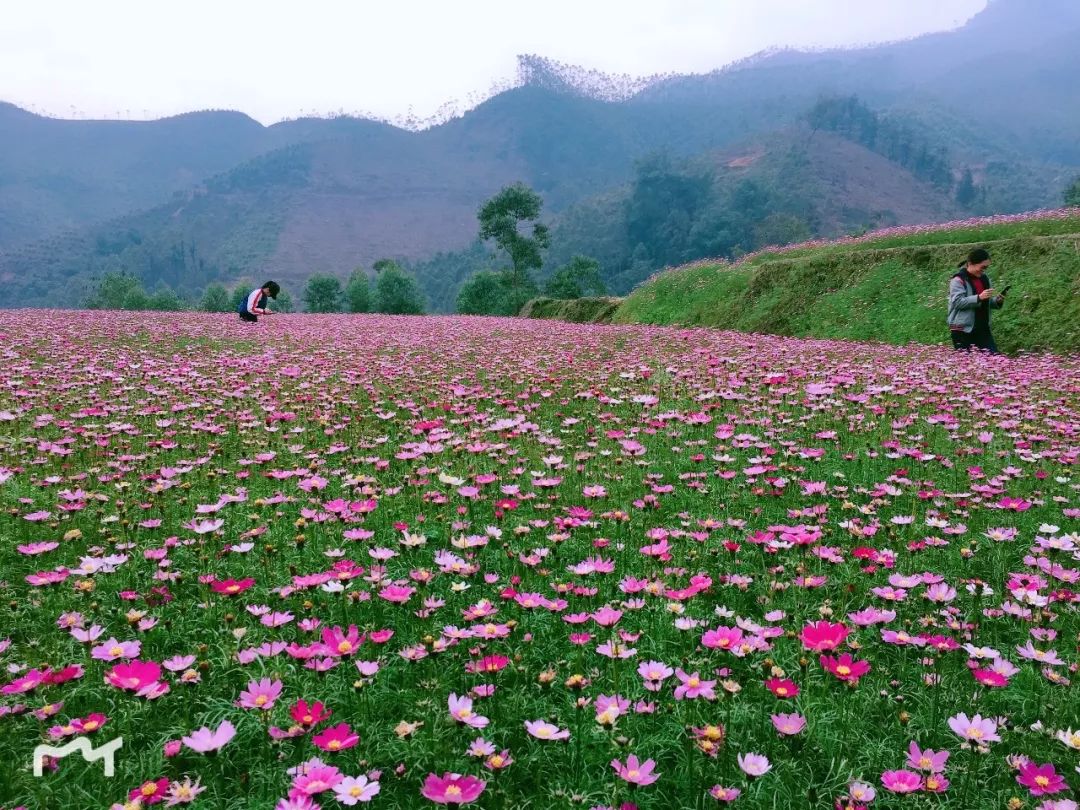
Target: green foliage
216,299
577,310
483,294
284,303
165,300
966,192
1072,193
239,294
358,292
896,140
892,289
578,278
323,294
502,218
396,292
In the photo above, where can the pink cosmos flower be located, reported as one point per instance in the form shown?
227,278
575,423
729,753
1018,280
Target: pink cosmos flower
461,709
724,794
313,777
351,790
692,686
754,764
205,741
823,636
845,667
636,772
1041,779
901,781
112,649
452,788
134,676
543,730
926,760
788,724
722,638
260,694
336,738
976,729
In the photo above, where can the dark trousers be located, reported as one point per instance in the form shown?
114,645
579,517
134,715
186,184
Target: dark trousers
977,338
247,316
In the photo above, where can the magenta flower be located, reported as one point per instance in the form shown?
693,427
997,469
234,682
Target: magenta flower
205,741
1041,780
724,794
260,694
134,676
636,772
452,788
901,781
823,636
336,738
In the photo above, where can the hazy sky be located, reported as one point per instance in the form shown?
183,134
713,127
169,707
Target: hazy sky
276,59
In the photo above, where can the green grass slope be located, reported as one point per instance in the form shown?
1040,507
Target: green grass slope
888,287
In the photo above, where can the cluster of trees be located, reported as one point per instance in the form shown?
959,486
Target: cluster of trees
510,219
1072,193
395,292
899,142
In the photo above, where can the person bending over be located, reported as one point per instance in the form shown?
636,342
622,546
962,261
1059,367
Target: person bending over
256,302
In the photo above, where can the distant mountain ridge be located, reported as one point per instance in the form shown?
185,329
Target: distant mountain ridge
216,196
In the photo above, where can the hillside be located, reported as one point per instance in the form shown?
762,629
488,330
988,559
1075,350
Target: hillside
215,195
889,286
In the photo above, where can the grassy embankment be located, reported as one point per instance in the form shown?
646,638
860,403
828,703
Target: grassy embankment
889,287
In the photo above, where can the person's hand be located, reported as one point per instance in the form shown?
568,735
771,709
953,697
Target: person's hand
985,295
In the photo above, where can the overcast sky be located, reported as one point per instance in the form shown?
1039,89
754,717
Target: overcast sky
278,59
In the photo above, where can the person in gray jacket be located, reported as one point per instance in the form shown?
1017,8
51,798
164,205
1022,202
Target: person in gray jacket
971,297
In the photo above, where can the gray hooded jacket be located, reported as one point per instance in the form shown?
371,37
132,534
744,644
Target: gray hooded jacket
964,301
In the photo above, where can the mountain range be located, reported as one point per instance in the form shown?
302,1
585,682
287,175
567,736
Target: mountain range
215,196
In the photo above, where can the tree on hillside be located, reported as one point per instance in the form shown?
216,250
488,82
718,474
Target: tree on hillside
165,300
118,291
358,292
505,219
663,205
215,299
578,278
323,294
396,292
1072,193
965,191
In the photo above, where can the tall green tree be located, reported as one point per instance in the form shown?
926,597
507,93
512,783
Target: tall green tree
505,218
396,292
323,294
165,300
118,291
284,303
578,278
358,292
215,299
494,293
1072,193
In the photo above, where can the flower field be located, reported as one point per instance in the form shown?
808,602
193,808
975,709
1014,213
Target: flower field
341,560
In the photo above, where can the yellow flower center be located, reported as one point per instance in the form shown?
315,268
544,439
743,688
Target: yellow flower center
116,650
843,670
975,733
497,760
782,691
693,682
453,790
334,745
543,732
355,791
90,725
148,789
633,774
1042,781
261,700
344,647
